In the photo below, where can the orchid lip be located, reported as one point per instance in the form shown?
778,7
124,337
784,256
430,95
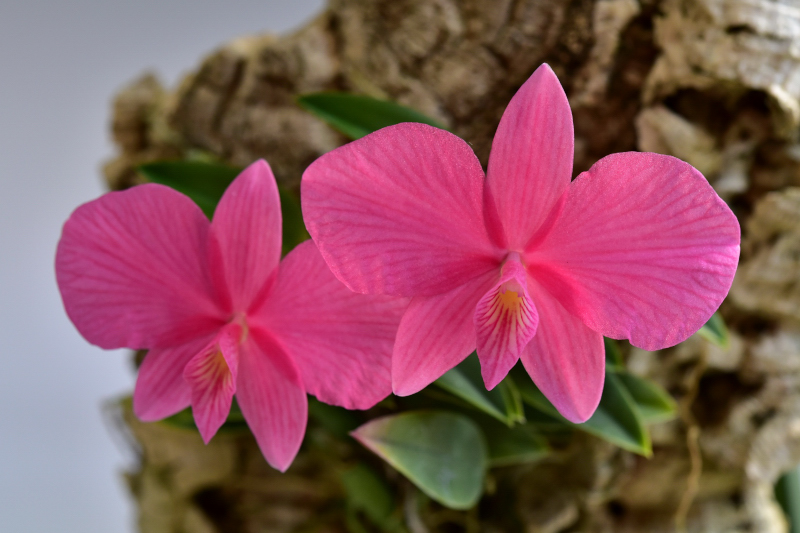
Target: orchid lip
505,321
212,376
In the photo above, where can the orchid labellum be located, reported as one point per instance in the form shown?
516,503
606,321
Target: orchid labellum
522,262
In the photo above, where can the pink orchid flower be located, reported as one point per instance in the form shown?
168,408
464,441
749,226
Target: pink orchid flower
145,269
522,263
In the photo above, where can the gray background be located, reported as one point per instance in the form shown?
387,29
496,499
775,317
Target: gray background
60,64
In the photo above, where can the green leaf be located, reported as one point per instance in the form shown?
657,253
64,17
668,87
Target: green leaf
294,229
202,182
514,445
616,420
353,523
532,396
787,492
548,424
653,403
181,419
715,331
613,355
337,421
356,115
465,381
368,493
512,400
206,182
185,419
442,453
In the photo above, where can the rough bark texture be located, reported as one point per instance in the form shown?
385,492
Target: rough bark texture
714,82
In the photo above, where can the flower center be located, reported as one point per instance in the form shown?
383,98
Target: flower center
509,294
512,257
510,299
240,319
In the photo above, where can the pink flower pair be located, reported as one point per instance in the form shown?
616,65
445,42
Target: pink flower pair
520,264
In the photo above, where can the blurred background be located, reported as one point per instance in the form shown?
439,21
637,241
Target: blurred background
61,62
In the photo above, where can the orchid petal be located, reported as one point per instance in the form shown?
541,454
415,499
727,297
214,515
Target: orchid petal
436,333
530,165
400,212
132,269
565,358
247,233
272,399
505,321
340,340
160,388
211,375
643,249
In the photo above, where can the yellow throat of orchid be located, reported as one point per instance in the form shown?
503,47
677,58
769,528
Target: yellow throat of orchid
510,300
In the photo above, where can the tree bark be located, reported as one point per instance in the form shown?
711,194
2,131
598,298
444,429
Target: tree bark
714,82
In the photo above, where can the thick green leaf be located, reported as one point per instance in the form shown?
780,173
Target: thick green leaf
442,453
532,396
548,424
356,115
455,382
653,403
294,229
715,331
513,400
368,493
613,354
181,419
353,523
514,445
205,183
787,492
202,182
465,381
185,419
337,421
616,420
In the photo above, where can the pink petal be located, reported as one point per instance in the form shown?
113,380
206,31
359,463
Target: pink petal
160,389
400,212
246,231
272,399
133,271
341,341
436,333
505,321
530,165
565,359
211,375
643,249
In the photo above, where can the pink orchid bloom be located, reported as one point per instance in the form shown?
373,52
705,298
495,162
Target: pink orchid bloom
145,269
522,263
